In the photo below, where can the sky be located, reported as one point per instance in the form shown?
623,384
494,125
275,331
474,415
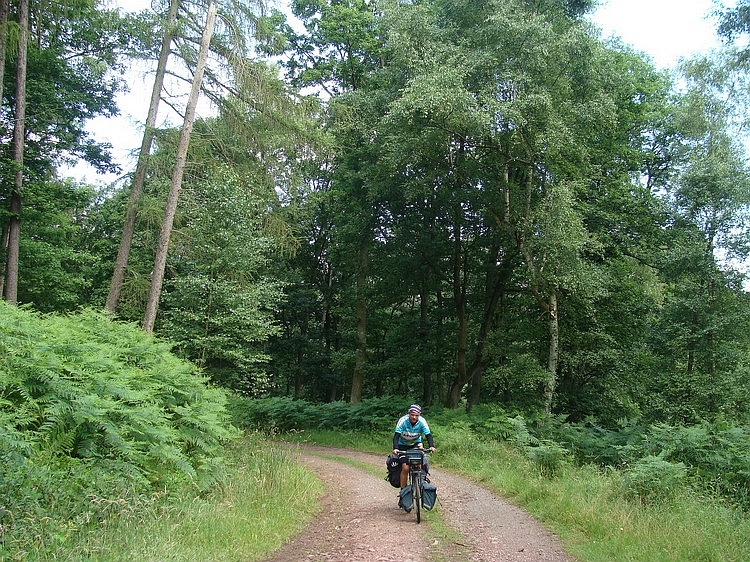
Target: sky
665,30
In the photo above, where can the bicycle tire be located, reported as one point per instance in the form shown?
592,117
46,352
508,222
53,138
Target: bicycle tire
416,491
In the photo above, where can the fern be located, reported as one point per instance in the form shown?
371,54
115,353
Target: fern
95,408
653,479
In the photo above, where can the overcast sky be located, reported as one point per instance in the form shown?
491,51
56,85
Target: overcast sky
664,29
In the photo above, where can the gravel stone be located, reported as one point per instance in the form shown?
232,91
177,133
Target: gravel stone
363,523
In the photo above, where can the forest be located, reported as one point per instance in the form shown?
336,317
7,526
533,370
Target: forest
470,204
415,198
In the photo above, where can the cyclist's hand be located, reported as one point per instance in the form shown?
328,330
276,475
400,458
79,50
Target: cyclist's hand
420,446
432,449
395,451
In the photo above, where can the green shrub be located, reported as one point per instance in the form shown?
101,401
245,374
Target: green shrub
95,413
495,423
653,479
279,414
547,455
590,442
717,455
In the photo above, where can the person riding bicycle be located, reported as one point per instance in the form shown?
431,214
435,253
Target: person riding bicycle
408,435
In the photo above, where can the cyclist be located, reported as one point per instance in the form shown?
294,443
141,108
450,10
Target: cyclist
408,435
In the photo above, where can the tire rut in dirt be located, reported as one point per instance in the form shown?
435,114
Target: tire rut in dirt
365,525
362,524
499,530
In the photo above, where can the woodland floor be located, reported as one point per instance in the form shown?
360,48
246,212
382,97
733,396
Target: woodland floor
360,521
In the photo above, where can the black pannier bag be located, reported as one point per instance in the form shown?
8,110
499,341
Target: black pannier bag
394,470
429,495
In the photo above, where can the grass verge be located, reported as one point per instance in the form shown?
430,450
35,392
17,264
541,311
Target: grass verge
589,510
250,516
245,519
586,507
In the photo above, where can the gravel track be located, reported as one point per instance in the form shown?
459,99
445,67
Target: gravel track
363,523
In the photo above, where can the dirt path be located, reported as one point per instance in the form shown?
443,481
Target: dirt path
369,527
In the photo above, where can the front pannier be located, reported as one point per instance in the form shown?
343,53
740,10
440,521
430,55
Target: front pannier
394,470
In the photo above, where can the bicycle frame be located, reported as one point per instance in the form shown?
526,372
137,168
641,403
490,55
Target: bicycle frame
414,458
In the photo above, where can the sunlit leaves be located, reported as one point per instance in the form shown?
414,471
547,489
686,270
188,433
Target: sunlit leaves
86,387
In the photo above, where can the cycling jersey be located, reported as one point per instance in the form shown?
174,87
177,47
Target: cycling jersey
411,435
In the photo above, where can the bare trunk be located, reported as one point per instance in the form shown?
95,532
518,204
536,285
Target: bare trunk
691,344
19,136
554,346
6,234
4,10
136,189
546,296
442,383
162,246
358,377
333,390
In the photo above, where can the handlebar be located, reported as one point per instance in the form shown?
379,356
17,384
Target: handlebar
406,452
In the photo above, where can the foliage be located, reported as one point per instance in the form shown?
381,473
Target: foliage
653,479
717,455
587,508
47,499
74,65
592,443
219,306
248,513
471,180
94,414
57,265
286,414
549,456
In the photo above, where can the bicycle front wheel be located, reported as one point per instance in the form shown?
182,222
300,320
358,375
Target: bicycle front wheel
416,490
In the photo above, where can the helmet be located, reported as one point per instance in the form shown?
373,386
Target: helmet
415,409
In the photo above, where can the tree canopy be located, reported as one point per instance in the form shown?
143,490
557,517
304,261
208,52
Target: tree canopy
461,202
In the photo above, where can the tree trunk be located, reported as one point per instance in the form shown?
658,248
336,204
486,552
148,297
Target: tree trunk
495,286
4,10
459,298
358,377
139,178
424,344
442,383
19,136
554,346
162,246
